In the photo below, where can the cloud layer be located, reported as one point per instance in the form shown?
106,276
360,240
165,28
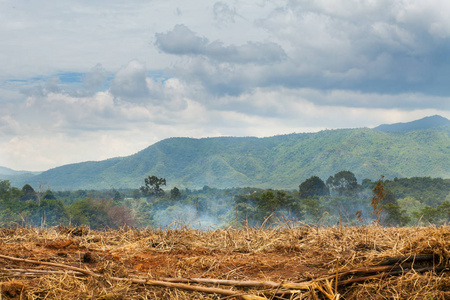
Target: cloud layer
88,82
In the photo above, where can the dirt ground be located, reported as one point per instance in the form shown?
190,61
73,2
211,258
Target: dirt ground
279,255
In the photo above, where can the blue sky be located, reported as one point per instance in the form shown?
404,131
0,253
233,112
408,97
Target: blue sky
90,80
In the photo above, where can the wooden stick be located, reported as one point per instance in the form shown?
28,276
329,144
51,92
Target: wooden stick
38,271
84,271
249,283
204,289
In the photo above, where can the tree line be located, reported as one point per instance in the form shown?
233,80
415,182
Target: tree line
340,199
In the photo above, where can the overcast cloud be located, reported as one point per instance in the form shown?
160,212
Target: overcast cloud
90,80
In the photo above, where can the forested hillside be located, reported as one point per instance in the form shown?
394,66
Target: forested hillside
272,162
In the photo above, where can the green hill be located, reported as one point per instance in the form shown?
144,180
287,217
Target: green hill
425,123
273,162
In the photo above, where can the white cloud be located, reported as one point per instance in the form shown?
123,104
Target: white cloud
182,41
95,78
130,81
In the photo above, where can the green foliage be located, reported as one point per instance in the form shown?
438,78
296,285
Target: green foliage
214,207
313,210
437,215
152,187
394,215
28,193
313,187
49,195
53,212
7,192
343,183
99,213
412,208
255,208
430,191
19,207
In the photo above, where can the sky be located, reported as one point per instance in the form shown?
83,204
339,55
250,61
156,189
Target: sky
90,80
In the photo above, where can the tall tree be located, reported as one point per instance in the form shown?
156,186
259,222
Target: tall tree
344,183
313,187
152,187
28,193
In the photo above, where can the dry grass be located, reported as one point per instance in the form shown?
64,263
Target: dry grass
284,254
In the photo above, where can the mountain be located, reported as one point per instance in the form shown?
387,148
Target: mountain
425,123
282,161
7,171
10,172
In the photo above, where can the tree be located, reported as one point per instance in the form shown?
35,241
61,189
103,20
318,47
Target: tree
378,195
428,214
444,210
313,209
389,198
118,197
175,193
28,193
136,194
8,193
49,195
344,183
52,211
152,186
313,187
394,215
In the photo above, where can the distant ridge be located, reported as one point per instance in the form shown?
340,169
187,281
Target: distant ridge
282,161
422,124
10,172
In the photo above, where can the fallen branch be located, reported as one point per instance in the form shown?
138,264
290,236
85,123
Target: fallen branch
30,261
37,272
249,283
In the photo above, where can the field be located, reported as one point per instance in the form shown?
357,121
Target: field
288,262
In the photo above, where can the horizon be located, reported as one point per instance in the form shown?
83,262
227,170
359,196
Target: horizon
89,81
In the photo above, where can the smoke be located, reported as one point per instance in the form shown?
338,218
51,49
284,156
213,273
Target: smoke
186,216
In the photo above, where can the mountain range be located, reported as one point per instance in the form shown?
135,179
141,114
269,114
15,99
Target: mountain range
418,148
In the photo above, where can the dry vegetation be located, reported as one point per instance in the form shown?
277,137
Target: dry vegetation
283,263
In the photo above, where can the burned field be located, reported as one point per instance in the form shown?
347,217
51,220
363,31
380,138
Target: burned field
369,262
